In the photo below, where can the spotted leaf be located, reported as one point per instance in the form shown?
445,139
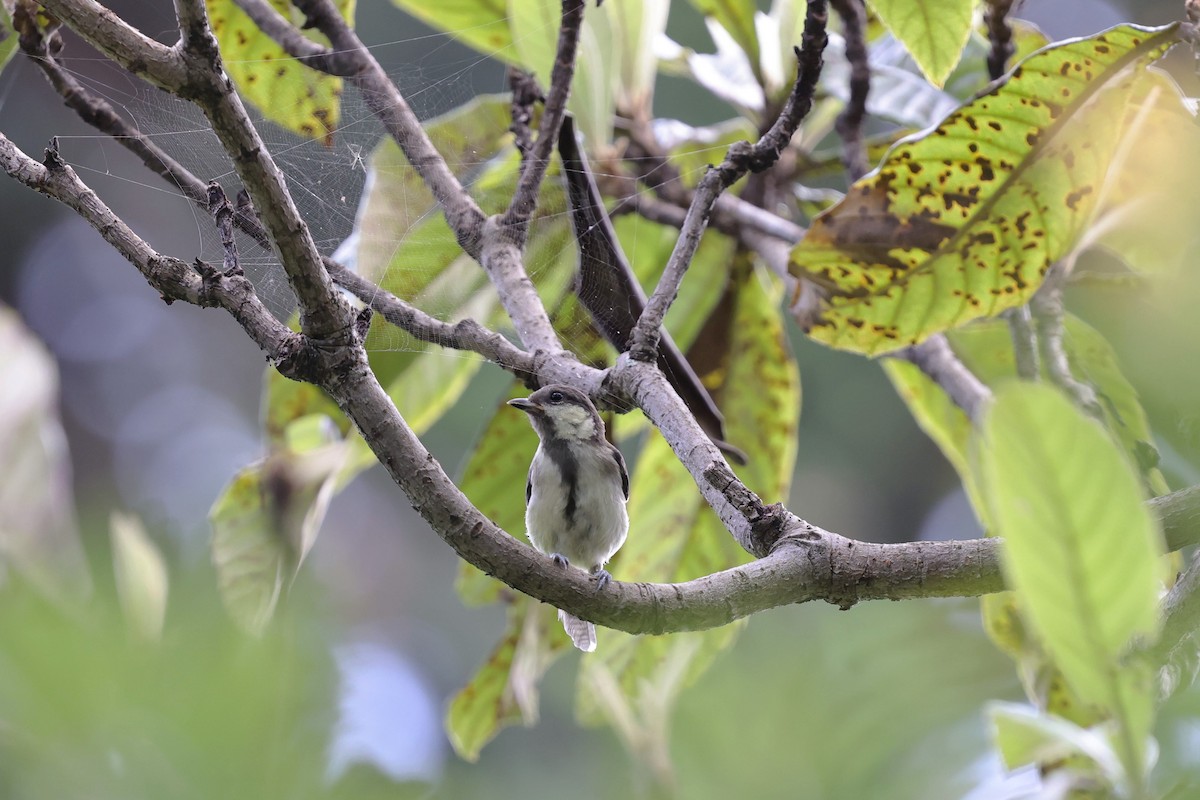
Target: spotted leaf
504,690
288,93
963,221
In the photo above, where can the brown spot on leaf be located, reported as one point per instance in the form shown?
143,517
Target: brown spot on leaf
1074,197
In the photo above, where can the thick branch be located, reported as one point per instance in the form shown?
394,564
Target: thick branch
742,157
103,29
533,169
802,562
805,563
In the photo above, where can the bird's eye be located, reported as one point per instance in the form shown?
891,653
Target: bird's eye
556,397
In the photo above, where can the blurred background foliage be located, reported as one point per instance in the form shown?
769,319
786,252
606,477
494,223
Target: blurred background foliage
160,694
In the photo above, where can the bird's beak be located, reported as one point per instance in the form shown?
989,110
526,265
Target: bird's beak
524,404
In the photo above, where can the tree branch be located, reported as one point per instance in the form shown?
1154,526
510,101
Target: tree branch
741,158
849,123
1024,341
533,169
1048,316
800,563
323,314
995,17
142,56
731,214
172,278
488,244
466,335
939,362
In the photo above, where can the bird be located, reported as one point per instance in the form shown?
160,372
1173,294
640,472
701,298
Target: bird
576,491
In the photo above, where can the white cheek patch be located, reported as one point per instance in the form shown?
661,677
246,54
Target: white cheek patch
573,422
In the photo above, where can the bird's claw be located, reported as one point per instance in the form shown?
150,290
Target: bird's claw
602,579
559,559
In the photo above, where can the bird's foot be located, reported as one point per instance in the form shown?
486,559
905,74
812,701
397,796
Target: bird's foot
602,578
560,559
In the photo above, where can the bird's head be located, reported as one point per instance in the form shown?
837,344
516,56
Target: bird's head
561,412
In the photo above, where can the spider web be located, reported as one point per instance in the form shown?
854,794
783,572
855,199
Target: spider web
328,182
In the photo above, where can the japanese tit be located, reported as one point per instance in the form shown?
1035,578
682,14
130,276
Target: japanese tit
576,492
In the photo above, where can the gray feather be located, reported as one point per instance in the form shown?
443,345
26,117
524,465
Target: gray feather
582,632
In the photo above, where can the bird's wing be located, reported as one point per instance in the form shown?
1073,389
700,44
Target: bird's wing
529,484
620,459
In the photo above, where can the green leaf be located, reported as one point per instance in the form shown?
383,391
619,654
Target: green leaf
8,37
481,24
964,221
38,534
636,25
494,481
288,93
266,520
396,212
985,348
737,18
535,25
1145,223
933,31
285,401
504,690
141,575
1026,736
1081,548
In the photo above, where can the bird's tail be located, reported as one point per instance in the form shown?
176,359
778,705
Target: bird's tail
582,632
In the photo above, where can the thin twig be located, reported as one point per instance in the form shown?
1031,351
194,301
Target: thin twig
1048,316
742,157
172,278
295,43
356,63
484,240
850,121
730,215
525,92
533,169
1024,342
939,362
1000,34
222,211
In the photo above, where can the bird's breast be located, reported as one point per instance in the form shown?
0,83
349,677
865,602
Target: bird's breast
576,504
